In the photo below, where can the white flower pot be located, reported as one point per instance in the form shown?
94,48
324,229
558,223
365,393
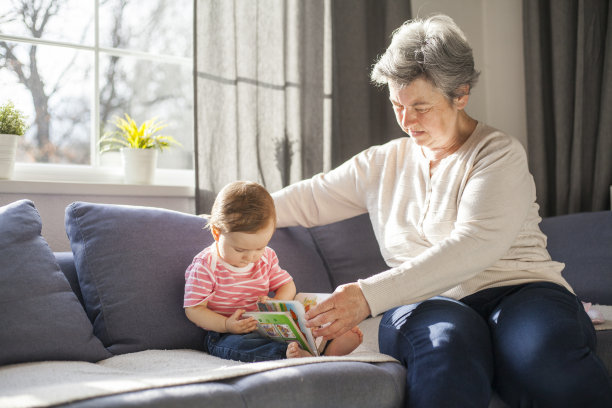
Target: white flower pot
139,165
8,151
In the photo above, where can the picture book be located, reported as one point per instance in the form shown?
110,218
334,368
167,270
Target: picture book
284,320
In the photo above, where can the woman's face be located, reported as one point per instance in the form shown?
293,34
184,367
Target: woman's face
425,114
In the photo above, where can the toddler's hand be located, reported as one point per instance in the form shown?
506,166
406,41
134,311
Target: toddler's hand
234,324
263,299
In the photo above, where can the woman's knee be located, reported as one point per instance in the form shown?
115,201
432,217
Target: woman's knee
440,324
540,328
544,350
445,346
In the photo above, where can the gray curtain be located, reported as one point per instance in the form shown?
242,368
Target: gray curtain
260,98
362,114
568,71
282,88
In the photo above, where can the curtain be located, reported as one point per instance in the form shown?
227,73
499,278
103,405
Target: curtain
362,114
259,92
282,88
568,72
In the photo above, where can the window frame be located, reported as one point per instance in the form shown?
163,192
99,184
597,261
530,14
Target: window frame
95,172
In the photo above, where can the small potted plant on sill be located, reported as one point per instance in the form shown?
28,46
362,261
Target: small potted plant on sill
12,127
138,146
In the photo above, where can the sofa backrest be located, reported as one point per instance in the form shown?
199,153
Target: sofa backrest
298,255
66,264
319,258
583,241
349,249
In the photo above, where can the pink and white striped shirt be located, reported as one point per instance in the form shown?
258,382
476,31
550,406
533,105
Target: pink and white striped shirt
227,288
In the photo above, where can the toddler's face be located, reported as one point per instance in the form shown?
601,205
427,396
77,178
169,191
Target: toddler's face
242,248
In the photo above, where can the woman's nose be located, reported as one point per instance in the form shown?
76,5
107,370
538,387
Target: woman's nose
408,118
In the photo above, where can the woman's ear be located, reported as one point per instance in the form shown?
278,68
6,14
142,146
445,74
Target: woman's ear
461,101
215,232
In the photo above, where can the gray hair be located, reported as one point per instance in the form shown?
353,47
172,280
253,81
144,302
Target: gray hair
435,49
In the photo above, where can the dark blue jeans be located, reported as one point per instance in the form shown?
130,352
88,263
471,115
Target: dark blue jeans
244,347
534,344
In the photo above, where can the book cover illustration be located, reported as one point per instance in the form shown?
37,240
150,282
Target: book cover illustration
280,326
284,320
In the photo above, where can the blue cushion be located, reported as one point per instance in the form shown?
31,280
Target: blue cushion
131,264
65,260
40,316
349,249
583,241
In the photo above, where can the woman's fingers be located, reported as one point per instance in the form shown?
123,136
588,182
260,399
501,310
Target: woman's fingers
346,308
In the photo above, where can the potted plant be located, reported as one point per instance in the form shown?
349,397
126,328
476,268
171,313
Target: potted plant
138,146
12,127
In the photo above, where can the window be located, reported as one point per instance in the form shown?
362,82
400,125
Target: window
72,65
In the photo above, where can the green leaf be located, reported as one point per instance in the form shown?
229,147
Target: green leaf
129,134
12,120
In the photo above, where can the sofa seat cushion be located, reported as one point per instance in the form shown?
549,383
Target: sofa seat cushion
40,316
338,384
55,383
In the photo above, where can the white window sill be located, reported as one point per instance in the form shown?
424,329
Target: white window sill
85,180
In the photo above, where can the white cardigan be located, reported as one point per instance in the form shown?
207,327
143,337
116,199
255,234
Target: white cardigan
472,225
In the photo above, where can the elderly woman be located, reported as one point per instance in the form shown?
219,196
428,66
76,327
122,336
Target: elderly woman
472,301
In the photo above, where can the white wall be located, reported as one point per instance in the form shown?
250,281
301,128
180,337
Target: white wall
494,29
52,207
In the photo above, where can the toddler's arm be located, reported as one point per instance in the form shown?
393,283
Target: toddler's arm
205,318
286,292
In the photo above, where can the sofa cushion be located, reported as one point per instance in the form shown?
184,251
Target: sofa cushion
65,260
298,255
131,264
349,249
583,241
40,316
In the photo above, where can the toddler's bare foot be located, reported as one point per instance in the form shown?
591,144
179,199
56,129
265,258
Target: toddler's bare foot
294,351
343,345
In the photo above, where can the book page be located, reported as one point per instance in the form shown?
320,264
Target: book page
309,300
280,326
296,310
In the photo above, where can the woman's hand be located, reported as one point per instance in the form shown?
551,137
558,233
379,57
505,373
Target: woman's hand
234,324
345,309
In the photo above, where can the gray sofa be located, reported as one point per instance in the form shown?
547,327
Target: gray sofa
103,325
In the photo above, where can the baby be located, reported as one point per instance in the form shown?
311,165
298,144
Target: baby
230,276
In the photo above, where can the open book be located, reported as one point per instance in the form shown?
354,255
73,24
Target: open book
284,320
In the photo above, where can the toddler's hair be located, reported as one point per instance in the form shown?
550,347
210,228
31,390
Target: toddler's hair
242,206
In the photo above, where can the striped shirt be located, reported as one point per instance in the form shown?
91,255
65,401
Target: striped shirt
227,288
